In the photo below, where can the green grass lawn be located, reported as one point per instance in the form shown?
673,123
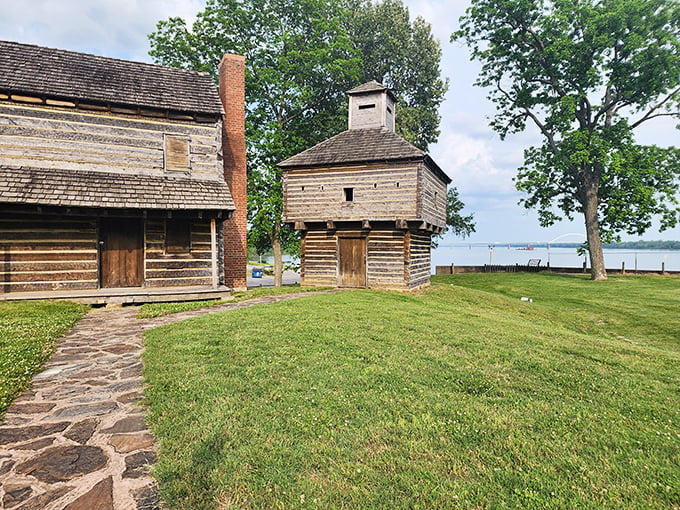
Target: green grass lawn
460,397
28,334
150,310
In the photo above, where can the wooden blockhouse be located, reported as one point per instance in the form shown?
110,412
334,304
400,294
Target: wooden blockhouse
113,179
366,201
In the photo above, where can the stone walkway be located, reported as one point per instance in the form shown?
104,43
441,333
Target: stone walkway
77,439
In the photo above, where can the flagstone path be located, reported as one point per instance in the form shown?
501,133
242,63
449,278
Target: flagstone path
77,440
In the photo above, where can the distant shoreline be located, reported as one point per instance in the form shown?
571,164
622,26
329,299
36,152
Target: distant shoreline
627,245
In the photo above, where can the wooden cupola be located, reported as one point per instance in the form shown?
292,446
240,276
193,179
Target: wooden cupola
371,105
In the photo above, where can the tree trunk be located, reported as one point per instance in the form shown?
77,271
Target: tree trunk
278,257
597,267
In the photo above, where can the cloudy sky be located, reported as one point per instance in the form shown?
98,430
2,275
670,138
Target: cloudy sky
480,165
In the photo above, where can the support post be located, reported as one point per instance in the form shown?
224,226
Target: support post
213,252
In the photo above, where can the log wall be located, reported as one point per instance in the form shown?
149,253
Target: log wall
319,261
419,261
47,253
432,206
380,192
50,137
395,259
60,252
386,263
162,269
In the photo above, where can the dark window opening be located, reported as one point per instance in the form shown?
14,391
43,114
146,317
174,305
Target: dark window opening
177,236
366,106
389,110
397,185
303,188
349,194
321,187
375,185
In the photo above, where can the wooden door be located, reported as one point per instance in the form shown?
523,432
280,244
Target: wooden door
121,242
352,264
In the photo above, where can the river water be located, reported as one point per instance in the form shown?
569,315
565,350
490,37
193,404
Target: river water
473,255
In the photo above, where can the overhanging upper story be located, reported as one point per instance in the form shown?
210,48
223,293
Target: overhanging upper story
89,132
367,173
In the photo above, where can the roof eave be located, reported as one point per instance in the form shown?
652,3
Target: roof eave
295,166
437,169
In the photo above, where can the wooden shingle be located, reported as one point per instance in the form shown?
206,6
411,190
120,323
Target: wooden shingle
50,187
356,146
47,72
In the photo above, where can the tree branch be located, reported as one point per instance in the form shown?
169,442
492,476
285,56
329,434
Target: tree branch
528,113
540,49
650,114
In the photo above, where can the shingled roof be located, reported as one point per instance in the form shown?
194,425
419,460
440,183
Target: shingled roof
29,69
361,146
68,188
369,87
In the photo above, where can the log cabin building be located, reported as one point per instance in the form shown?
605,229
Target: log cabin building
366,201
119,181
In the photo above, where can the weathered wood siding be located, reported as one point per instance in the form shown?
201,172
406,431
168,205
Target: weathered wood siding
54,252
385,254
47,253
391,262
44,137
371,111
163,269
395,259
432,198
319,262
379,193
419,263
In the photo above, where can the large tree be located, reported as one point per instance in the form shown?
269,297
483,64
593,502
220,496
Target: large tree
302,55
300,61
403,55
587,74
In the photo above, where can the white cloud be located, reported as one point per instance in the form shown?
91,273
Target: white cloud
469,161
115,28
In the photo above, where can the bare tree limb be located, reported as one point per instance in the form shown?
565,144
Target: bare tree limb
650,113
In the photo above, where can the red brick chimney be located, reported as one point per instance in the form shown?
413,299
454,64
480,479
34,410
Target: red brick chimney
232,93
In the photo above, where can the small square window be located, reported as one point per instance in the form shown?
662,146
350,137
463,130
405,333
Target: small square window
177,236
349,194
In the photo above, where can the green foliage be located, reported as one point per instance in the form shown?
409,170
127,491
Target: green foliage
151,310
586,73
460,225
301,58
460,397
403,55
29,331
